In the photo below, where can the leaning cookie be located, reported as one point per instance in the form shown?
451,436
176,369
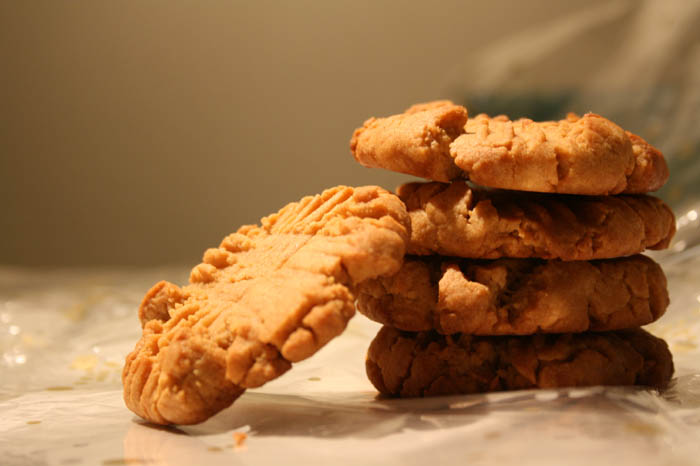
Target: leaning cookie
268,296
587,155
516,296
427,364
578,155
457,219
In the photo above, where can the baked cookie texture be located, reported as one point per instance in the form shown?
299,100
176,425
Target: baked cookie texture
427,364
268,296
416,142
457,219
516,296
588,155
578,155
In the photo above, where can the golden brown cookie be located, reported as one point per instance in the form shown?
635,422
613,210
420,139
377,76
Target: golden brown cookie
268,296
416,142
586,155
456,219
428,364
516,296
578,155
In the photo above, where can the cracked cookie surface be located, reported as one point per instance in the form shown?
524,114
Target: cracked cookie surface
516,296
268,296
416,142
456,219
427,364
578,155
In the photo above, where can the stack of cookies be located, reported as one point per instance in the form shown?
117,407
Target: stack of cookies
532,281
530,274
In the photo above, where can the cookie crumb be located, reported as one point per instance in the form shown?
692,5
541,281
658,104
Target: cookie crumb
643,428
121,461
84,362
239,439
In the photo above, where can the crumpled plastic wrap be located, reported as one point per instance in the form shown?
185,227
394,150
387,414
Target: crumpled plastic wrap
64,333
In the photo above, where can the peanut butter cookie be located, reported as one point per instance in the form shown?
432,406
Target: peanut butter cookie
516,296
456,219
268,296
578,155
428,364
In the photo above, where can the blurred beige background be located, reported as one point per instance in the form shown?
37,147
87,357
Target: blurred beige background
136,133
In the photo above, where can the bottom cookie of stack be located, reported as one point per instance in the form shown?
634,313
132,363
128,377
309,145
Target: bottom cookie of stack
408,364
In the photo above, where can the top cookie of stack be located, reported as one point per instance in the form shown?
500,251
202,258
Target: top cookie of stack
587,155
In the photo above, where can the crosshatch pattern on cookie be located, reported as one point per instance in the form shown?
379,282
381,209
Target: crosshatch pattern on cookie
457,219
516,296
428,364
268,296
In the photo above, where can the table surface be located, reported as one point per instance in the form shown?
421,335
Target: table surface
64,335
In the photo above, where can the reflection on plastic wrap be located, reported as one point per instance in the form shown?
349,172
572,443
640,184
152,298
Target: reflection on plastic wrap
477,430
680,326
